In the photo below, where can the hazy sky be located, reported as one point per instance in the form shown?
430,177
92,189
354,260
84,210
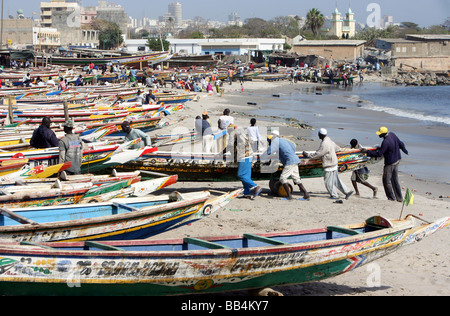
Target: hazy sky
424,13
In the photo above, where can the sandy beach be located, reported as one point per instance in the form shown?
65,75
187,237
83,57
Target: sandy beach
420,269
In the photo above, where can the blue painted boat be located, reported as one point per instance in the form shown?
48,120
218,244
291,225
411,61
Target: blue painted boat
123,218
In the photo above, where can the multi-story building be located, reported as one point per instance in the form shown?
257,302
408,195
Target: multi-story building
113,13
175,10
49,8
70,21
234,19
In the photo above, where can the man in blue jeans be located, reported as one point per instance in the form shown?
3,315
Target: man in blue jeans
390,150
244,156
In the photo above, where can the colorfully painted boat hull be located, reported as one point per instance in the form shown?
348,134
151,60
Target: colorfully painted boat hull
213,167
206,265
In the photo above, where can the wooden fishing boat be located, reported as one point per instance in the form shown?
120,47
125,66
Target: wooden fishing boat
337,79
105,193
96,180
19,138
122,218
57,100
174,98
217,167
12,165
91,131
143,60
202,265
171,139
142,123
69,192
117,158
59,193
98,156
34,172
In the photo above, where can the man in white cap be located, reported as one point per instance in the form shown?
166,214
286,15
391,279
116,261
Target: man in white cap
71,149
327,152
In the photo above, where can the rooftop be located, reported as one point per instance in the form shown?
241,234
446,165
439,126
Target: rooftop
330,43
430,37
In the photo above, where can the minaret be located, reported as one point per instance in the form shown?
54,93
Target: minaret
351,23
336,24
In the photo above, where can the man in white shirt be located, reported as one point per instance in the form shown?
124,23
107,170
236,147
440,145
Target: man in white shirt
253,135
327,153
51,82
226,120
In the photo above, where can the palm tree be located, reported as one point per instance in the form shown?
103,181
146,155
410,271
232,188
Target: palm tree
314,21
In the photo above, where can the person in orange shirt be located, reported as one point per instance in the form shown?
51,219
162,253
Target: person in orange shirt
230,76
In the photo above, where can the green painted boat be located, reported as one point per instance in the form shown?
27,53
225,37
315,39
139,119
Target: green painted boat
202,265
219,168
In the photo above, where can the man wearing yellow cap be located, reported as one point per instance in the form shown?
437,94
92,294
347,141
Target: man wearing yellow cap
390,150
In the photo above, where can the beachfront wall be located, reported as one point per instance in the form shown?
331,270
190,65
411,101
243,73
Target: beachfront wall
437,64
332,50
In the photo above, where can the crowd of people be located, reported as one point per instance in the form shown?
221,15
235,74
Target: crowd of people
245,142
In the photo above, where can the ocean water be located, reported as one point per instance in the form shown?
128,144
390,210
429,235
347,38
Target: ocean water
420,116
427,105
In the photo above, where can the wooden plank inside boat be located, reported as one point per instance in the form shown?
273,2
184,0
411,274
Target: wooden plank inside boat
263,239
203,243
343,230
94,244
17,217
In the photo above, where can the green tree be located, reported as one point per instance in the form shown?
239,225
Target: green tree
197,34
110,34
155,44
314,21
286,25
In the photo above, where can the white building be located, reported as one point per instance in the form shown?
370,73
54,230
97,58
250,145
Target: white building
223,46
56,6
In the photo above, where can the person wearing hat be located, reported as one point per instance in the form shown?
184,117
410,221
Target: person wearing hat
284,150
327,152
43,136
390,150
134,133
243,155
203,127
71,149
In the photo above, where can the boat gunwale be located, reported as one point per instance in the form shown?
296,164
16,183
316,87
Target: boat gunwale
400,227
103,220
